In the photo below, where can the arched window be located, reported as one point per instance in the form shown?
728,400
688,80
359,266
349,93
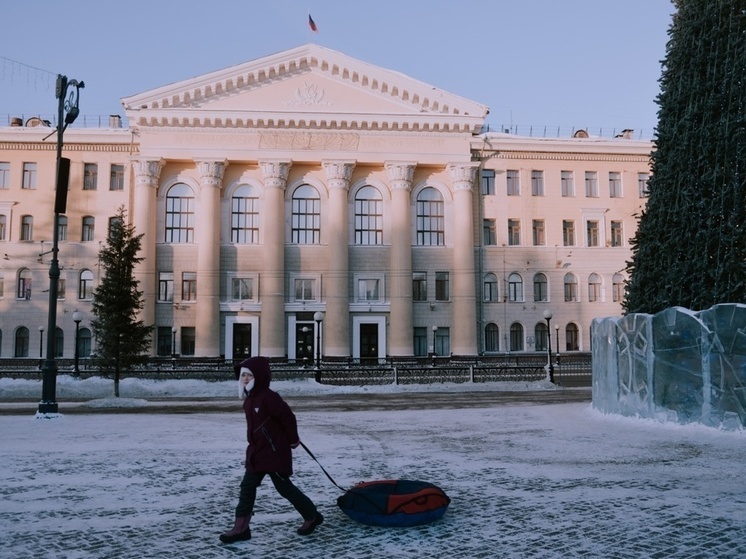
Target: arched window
59,342
617,288
21,342
594,288
541,292
430,218
24,284
571,287
516,337
89,223
85,286
368,216
515,288
245,215
180,214
305,228
491,338
84,342
540,335
572,342
491,294
27,228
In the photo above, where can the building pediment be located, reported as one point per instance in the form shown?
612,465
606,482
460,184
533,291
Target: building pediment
310,87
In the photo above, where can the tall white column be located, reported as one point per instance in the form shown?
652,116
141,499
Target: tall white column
401,334
463,295
207,237
336,280
272,339
143,217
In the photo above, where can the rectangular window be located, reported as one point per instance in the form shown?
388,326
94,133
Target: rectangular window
29,176
242,289
188,340
616,234
514,184
245,220
442,341
368,218
488,182
419,286
568,233
514,232
27,228
62,285
537,183
304,290
90,176
592,233
615,185
489,232
420,341
117,177
591,184
3,227
368,290
88,229
642,185
189,286
442,286
166,286
4,175
62,227
567,183
537,229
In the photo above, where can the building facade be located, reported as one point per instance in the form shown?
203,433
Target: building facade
307,204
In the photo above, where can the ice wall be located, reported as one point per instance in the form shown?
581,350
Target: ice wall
677,365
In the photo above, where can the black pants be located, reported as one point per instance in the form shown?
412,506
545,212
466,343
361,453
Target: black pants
284,486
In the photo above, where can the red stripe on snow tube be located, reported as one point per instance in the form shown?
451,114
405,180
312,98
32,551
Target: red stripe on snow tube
394,502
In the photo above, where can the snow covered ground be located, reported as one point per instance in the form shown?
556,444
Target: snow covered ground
559,480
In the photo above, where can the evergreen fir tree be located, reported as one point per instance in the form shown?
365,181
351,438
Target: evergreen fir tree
122,340
690,245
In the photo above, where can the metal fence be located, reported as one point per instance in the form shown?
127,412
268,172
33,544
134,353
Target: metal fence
569,370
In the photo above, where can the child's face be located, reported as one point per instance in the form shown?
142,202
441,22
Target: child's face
246,376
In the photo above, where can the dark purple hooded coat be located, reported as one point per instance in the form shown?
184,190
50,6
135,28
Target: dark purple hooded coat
271,424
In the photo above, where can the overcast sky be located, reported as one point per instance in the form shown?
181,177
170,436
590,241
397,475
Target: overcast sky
576,63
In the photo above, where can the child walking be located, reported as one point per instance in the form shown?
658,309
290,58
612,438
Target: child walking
272,433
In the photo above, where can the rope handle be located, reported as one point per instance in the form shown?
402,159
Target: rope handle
322,467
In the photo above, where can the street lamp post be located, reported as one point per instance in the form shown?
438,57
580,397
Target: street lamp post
556,341
173,346
67,112
435,345
550,365
318,317
41,346
77,317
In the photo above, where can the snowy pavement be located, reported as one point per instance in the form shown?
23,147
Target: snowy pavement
526,481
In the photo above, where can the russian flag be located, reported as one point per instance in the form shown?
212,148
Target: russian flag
312,24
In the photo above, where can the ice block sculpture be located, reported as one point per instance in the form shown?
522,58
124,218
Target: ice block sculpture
677,365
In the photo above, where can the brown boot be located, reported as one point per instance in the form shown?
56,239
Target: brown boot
310,525
239,532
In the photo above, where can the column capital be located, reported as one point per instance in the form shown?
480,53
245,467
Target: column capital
400,174
275,172
338,173
147,171
211,172
463,175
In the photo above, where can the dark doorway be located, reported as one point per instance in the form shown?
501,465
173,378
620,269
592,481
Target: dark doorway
304,342
241,340
368,342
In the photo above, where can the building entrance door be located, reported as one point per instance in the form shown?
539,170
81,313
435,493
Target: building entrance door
368,342
241,340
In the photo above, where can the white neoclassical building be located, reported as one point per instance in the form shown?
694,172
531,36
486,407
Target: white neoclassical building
307,203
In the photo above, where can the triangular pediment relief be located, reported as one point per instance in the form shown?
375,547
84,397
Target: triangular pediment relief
307,87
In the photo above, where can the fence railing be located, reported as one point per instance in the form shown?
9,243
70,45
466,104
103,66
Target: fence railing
571,369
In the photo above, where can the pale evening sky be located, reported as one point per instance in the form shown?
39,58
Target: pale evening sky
570,63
